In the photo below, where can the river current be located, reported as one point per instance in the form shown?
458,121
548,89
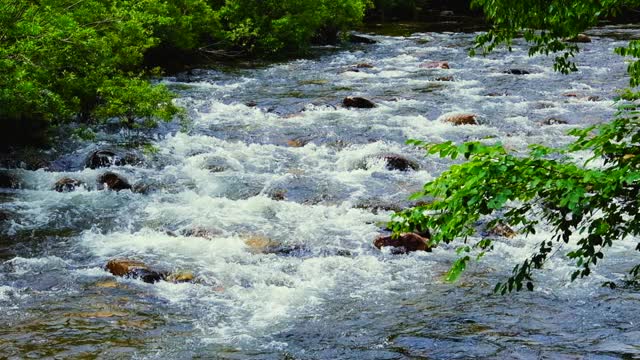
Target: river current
271,159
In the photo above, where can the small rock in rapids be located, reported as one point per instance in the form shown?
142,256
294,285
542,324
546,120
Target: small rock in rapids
399,162
554,121
113,181
181,277
364,66
357,102
67,184
516,72
461,119
404,243
435,65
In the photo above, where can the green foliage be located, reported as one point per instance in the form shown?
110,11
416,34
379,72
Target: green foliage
588,206
271,26
81,61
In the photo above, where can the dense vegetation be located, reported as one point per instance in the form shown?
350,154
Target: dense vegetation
82,61
590,207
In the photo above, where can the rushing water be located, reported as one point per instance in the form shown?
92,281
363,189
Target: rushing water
240,172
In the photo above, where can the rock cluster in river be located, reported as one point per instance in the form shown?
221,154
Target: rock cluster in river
134,269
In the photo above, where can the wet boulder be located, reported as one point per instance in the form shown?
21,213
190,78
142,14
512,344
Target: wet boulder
516,72
364,66
102,158
461,119
357,102
435,65
399,162
67,184
8,181
444,78
446,13
113,181
134,269
405,243
358,39
580,38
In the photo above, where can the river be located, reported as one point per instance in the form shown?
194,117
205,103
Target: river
271,158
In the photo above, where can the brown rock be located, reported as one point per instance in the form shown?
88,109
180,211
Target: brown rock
405,243
122,267
435,65
357,102
67,184
461,119
364,65
445,78
259,242
114,181
296,143
181,277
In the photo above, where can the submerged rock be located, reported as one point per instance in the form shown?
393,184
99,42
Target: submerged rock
67,184
580,38
435,65
113,181
461,119
357,102
405,243
516,72
445,78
